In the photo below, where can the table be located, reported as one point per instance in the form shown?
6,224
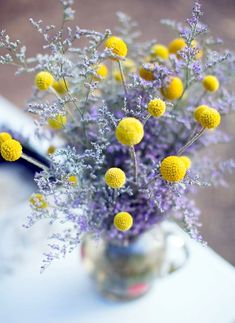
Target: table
202,291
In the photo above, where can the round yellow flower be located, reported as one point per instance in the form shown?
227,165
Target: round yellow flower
198,111
4,136
187,161
160,51
73,180
38,201
43,80
173,169
129,131
60,86
174,89
209,118
117,46
101,71
156,107
115,177
147,73
58,122
199,54
176,45
11,150
51,149
210,83
123,221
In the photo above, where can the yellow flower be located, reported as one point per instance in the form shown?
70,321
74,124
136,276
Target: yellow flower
198,111
199,54
117,46
160,51
4,136
209,118
129,131
123,221
187,161
11,150
176,45
117,75
173,169
147,73
58,122
174,89
73,180
210,83
101,71
156,107
38,201
60,86
51,149
43,80
115,177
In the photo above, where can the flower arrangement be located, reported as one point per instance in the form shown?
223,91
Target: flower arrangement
132,126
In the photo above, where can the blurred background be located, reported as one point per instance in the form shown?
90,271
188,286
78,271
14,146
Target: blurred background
217,204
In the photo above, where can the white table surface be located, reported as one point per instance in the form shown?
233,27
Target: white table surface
203,291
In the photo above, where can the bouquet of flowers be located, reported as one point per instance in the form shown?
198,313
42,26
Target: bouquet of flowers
133,118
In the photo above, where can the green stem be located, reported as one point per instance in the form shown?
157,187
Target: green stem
34,161
190,142
122,77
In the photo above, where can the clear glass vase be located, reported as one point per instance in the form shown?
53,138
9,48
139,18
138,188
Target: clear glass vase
128,270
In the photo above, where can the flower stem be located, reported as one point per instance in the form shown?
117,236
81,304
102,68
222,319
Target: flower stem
34,161
122,77
191,141
146,119
135,164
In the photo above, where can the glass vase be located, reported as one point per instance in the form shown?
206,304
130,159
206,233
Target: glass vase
128,270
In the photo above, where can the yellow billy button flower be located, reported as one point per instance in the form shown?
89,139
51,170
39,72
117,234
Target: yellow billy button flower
176,45
147,73
101,71
123,221
198,111
187,161
115,177
174,89
210,83
73,180
38,201
11,150
60,86
43,80
51,149
129,131
209,118
58,122
156,107
160,51
4,136
117,46
173,169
